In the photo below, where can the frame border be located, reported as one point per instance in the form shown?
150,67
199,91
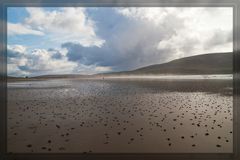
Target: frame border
235,4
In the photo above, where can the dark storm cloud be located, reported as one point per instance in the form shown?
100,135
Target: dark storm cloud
129,43
12,53
55,54
90,55
25,68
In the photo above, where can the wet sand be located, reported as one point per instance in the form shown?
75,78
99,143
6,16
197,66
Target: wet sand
120,116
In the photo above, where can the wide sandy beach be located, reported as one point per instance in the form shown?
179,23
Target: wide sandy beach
120,116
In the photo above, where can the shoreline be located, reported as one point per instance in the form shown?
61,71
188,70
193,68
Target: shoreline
152,77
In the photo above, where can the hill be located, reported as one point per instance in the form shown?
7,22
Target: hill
214,63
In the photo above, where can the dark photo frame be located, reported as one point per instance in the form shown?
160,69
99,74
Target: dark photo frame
235,4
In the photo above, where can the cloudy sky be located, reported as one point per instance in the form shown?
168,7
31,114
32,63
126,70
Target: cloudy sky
94,40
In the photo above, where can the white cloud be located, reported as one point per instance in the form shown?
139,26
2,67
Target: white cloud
192,30
60,25
40,60
13,70
64,24
37,61
16,29
16,57
25,62
151,14
17,48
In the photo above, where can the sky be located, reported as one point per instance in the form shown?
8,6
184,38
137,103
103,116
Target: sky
48,40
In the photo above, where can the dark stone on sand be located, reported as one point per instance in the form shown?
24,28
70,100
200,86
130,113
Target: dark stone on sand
29,145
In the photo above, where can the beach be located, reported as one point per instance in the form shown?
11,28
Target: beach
120,115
